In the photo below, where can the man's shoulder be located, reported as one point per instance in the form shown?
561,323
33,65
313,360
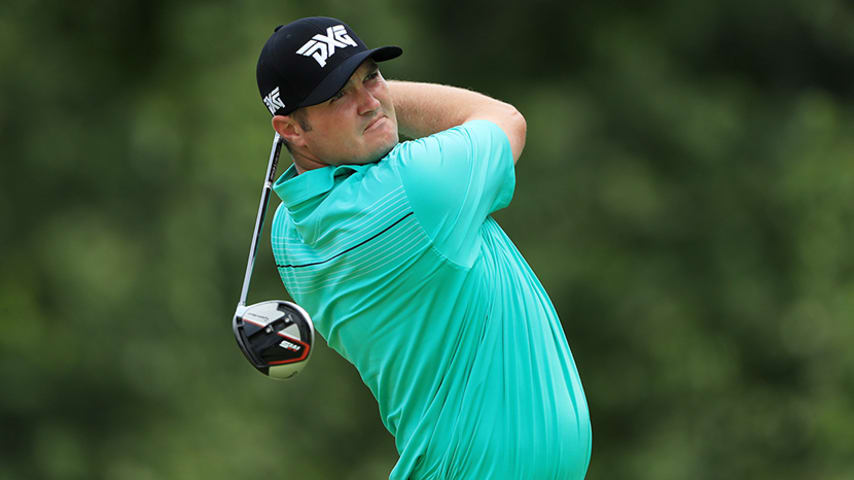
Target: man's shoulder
363,200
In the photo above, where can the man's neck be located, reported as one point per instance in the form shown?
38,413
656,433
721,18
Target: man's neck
303,164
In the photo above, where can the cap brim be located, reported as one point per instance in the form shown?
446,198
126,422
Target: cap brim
339,77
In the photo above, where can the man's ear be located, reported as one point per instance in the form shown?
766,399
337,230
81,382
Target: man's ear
289,129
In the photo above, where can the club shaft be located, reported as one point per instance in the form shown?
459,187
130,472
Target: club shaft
262,210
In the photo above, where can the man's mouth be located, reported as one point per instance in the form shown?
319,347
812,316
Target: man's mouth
375,123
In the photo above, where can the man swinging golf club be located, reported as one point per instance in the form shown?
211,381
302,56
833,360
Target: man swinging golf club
391,249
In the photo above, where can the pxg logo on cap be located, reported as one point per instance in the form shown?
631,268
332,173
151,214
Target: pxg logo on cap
273,101
322,47
307,61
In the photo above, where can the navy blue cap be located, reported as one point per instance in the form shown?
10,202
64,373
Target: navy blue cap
307,61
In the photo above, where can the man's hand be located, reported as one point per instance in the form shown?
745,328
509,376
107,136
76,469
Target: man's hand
424,109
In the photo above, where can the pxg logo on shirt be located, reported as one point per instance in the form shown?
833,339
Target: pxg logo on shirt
322,46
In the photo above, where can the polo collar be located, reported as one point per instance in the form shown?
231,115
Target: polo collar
295,189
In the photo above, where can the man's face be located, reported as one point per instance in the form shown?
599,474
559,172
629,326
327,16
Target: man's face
358,124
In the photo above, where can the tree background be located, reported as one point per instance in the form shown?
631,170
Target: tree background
686,197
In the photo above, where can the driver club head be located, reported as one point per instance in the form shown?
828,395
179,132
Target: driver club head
275,336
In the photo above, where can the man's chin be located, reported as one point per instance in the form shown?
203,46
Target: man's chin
378,154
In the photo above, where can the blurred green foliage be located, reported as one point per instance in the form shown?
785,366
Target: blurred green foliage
686,196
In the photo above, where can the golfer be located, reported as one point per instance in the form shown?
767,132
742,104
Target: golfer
391,248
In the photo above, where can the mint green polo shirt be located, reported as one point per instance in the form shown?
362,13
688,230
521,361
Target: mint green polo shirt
407,276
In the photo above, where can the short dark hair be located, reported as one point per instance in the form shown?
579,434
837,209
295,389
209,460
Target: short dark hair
301,116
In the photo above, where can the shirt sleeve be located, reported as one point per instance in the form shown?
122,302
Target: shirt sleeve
454,180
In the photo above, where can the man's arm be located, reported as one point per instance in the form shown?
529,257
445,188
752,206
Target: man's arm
424,109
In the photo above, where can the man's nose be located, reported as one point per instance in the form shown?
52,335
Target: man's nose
367,101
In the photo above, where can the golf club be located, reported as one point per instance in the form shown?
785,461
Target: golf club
275,336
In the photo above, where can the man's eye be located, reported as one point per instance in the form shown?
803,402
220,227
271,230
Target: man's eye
337,96
373,75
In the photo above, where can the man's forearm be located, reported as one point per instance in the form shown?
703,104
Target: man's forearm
424,108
